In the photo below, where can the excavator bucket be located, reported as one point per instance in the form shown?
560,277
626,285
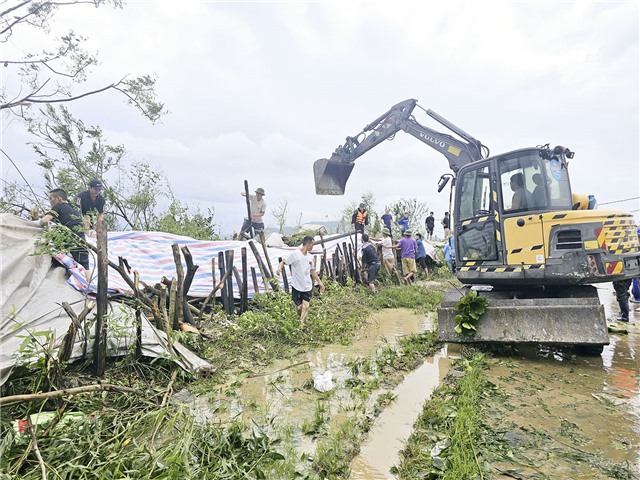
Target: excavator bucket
331,176
565,316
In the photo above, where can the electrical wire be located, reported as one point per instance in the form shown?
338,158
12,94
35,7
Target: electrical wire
618,201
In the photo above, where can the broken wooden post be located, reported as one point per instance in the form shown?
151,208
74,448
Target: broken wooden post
173,293
262,268
229,283
285,280
244,292
266,253
223,271
178,314
138,333
256,286
188,279
246,194
66,348
100,343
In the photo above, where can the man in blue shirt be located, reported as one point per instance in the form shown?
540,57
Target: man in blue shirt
421,255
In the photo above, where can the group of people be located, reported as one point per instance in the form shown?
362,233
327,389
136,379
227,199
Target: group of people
360,219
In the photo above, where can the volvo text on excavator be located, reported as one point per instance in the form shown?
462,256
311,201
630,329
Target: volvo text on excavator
522,238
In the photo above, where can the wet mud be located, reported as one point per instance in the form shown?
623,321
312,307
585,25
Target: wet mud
569,416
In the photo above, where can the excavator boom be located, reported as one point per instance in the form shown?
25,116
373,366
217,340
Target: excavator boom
331,175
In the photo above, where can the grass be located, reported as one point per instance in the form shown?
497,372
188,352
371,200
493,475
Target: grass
125,436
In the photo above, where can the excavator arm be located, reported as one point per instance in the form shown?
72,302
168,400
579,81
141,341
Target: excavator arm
331,174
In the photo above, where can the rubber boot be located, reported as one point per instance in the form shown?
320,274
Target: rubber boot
624,311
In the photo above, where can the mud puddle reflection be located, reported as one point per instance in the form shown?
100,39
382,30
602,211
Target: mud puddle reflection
573,416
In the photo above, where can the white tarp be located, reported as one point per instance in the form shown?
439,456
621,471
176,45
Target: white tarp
33,288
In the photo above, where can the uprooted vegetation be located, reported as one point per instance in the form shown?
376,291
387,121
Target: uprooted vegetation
147,432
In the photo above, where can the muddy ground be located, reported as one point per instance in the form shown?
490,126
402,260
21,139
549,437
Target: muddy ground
554,413
569,416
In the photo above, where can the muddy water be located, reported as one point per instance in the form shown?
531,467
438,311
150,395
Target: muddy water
393,427
285,393
572,416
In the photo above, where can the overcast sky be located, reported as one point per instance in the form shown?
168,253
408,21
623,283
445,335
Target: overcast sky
260,90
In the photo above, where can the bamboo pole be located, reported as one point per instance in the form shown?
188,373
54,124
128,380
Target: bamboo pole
266,252
262,268
285,280
256,286
223,270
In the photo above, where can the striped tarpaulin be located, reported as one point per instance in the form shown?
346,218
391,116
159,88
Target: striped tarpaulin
150,254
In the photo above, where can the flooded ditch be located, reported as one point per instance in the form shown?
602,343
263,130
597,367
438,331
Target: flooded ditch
283,395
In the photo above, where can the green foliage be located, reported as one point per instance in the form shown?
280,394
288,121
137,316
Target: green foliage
295,240
417,212
470,308
180,221
126,437
49,75
416,297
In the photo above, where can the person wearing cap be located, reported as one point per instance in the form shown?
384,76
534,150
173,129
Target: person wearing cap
91,204
258,209
303,276
360,218
370,261
408,248
388,255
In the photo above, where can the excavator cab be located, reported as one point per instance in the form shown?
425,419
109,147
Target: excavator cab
524,244
331,176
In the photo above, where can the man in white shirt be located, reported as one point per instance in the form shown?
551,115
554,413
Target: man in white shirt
302,277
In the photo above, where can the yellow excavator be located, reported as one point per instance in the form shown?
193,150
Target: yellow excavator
522,239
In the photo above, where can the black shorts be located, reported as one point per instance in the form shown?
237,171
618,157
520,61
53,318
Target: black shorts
372,271
298,297
81,257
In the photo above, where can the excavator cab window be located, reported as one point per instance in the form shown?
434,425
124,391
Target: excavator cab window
530,182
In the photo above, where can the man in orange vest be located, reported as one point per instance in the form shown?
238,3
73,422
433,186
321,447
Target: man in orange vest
360,218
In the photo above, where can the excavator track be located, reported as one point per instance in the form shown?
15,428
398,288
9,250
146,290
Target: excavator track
553,316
